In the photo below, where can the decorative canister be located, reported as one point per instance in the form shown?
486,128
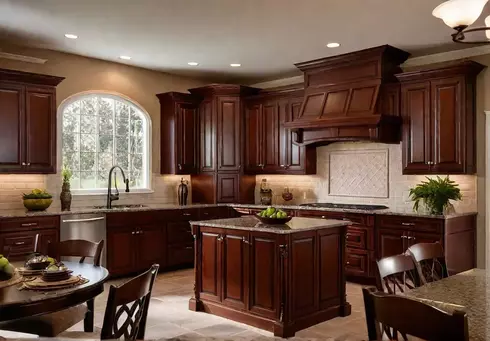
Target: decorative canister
183,192
287,195
265,193
65,196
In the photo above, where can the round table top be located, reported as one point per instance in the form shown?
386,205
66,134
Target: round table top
15,303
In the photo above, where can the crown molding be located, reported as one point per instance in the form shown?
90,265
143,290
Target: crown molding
447,56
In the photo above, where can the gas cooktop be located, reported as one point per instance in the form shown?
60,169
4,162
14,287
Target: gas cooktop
346,206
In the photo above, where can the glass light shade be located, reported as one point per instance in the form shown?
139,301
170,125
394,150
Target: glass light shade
456,13
487,24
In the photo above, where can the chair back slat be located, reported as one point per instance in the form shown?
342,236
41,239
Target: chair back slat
429,260
410,317
398,274
77,248
127,307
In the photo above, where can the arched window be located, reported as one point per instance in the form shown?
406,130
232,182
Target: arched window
102,130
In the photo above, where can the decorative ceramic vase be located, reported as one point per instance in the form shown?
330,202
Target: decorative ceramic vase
65,197
183,192
287,195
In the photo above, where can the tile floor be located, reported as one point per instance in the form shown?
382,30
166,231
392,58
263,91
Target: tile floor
169,316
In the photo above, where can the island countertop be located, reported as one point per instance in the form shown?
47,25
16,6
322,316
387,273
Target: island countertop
251,223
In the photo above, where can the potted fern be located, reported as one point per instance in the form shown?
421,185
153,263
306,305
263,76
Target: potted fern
435,194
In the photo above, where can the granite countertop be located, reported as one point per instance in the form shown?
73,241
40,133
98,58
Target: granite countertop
251,223
58,212
468,291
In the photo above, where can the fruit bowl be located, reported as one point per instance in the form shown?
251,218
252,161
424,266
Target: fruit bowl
274,221
37,204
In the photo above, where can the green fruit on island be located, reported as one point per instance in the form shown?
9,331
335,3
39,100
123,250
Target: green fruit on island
6,269
3,262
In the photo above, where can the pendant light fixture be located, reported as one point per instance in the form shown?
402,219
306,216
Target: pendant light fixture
459,15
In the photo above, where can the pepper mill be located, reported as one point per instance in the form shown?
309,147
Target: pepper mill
183,192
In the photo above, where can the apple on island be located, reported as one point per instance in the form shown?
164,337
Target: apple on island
272,212
6,269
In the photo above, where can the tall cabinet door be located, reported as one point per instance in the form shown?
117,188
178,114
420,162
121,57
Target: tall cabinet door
187,118
253,138
11,127
416,127
210,281
235,257
229,145
447,125
40,123
271,136
208,136
295,153
264,275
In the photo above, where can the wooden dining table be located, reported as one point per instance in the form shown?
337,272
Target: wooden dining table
16,304
467,291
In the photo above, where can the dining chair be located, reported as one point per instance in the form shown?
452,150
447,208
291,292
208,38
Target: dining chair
52,324
396,274
127,307
411,317
429,260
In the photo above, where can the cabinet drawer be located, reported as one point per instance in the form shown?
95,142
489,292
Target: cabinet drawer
179,232
241,211
28,224
185,214
18,245
357,262
410,223
180,255
360,237
355,218
213,213
132,218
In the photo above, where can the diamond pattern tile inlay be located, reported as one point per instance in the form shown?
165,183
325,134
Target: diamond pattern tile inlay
359,173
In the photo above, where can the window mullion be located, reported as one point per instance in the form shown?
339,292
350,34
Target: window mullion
113,134
129,143
97,138
80,143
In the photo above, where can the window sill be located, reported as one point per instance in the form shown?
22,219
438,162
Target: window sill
82,192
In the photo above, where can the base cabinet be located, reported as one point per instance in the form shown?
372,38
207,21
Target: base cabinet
279,282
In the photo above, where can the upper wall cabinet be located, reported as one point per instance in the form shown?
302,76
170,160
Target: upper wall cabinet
179,134
269,146
438,111
28,122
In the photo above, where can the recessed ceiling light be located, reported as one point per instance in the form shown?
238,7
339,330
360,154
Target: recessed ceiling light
71,36
333,45
125,57
193,63
235,65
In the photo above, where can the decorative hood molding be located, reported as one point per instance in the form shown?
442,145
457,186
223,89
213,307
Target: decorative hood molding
353,96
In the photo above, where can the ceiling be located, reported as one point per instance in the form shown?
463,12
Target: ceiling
266,36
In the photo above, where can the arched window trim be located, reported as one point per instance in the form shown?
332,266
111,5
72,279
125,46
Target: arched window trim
147,140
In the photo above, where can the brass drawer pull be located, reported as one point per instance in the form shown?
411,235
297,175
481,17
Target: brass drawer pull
28,224
186,214
189,247
408,224
19,243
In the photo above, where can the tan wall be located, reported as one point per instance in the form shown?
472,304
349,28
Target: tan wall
88,74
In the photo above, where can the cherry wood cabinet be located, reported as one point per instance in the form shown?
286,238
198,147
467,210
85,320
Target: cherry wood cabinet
179,133
279,282
28,116
438,111
229,133
269,146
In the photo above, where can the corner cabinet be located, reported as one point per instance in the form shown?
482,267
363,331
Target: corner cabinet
438,111
179,133
28,116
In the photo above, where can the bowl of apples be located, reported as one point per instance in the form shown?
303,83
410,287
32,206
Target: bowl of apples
273,216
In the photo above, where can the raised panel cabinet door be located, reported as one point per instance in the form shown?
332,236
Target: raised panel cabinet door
47,237
271,137
11,127
416,140
121,246
330,258
264,275
304,274
207,118
187,139
391,242
253,138
40,124
228,187
448,125
236,250
295,154
211,248
229,134
150,251
415,237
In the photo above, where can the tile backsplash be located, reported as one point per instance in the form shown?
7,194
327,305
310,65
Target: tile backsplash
363,173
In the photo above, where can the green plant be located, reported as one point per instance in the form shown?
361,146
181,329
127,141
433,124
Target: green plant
435,194
66,173
37,194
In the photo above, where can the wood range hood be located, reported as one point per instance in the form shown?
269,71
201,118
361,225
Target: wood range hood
350,97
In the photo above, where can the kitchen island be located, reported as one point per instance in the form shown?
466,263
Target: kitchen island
281,278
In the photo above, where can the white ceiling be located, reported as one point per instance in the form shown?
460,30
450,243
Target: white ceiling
266,36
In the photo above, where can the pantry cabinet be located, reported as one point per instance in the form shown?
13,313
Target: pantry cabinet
28,116
438,111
